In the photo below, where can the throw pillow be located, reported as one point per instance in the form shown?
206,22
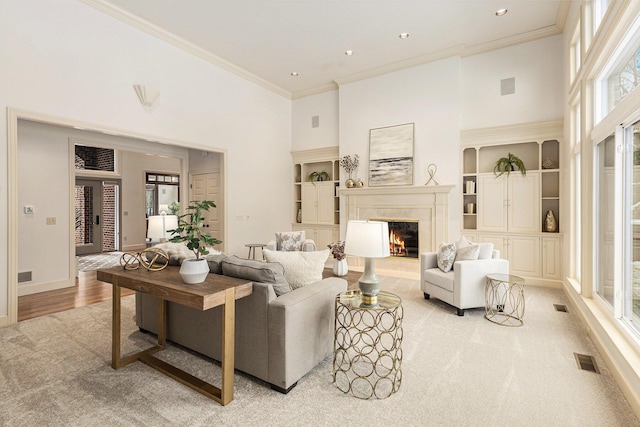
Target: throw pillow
467,253
300,268
257,271
290,240
463,242
177,252
446,256
215,262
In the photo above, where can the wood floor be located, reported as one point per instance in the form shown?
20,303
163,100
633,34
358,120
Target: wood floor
88,290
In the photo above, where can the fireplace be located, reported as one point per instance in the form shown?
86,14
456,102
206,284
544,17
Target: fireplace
403,237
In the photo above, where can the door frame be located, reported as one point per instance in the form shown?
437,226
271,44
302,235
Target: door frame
13,116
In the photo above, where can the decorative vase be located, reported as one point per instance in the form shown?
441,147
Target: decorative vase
359,183
550,223
349,183
299,217
340,267
194,271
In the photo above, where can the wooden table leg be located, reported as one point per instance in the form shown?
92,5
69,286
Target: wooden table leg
115,328
228,346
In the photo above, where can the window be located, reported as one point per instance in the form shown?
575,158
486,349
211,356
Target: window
574,49
162,192
599,10
95,158
631,231
575,184
606,219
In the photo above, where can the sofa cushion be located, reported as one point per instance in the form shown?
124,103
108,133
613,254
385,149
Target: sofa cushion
467,253
290,240
257,271
446,256
439,278
300,268
486,251
215,262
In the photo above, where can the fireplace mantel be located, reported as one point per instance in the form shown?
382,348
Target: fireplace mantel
429,205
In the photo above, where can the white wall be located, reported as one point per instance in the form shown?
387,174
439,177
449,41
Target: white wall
539,85
65,59
306,137
427,95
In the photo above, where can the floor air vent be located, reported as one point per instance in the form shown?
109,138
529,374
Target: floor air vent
586,363
560,307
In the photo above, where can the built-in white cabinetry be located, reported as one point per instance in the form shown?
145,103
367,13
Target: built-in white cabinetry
315,202
510,210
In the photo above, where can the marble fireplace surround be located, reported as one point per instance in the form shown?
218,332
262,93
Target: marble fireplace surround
429,205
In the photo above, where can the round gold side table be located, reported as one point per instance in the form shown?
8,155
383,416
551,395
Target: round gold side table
504,299
367,354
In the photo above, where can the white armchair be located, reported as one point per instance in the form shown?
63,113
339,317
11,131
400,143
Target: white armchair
291,240
464,286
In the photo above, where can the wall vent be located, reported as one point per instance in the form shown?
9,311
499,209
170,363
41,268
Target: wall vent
315,121
561,307
25,276
508,86
586,363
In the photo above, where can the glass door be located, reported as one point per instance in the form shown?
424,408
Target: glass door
88,216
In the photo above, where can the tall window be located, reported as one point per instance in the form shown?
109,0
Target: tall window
599,10
631,254
574,49
575,184
606,220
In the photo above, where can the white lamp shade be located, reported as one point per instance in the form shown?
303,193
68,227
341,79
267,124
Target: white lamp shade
367,239
159,225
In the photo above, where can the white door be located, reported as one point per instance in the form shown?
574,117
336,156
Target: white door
524,255
551,258
309,203
206,186
88,208
326,205
524,203
492,212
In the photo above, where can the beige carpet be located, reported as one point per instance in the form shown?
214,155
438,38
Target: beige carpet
54,371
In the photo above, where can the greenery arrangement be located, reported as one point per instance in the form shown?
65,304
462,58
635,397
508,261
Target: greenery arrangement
174,208
190,228
508,164
349,164
319,176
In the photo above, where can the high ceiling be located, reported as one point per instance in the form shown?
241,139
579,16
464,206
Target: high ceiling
267,40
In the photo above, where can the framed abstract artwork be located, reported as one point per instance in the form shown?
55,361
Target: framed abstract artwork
391,155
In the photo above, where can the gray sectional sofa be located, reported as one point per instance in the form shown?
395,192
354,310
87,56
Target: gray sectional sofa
278,339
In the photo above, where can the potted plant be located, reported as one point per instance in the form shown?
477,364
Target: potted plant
190,232
508,164
318,176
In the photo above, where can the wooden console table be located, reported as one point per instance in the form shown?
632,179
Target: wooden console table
167,285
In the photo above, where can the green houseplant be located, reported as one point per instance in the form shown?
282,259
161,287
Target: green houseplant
508,164
190,232
318,176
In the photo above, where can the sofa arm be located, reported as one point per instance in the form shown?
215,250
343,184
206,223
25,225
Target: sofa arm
428,260
301,330
470,277
271,245
308,246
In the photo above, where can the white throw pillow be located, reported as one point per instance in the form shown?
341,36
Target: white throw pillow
467,253
300,268
446,256
463,242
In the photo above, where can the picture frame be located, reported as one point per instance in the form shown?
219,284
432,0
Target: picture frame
391,155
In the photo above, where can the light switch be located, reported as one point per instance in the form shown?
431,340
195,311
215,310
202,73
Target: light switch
28,209
51,220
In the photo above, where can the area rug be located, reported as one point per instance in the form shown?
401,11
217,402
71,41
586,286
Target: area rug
103,260
55,371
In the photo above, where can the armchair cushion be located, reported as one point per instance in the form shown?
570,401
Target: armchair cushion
300,268
467,253
257,271
290,240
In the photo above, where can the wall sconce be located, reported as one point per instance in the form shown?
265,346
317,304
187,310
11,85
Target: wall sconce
146,95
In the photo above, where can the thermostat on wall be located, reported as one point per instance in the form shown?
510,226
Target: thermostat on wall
28,209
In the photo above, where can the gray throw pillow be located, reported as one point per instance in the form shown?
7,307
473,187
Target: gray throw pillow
257,271
215,262
446,256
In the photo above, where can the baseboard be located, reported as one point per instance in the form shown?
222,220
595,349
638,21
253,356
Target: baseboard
543,283
34,288
619,355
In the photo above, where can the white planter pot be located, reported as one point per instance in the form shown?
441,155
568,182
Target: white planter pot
194,271
340,268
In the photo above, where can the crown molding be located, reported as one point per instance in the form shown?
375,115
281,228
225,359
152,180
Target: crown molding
314,91
563,14
529,36
520,132
154,30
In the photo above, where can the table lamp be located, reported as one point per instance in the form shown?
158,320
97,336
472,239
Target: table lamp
369,240
159,226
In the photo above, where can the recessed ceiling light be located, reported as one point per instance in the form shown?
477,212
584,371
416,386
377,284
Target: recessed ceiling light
348,52
404,35
501,12
294,74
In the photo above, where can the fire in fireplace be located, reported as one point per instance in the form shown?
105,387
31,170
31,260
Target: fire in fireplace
403,238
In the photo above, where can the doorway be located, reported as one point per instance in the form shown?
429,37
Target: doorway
96,216
206,186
